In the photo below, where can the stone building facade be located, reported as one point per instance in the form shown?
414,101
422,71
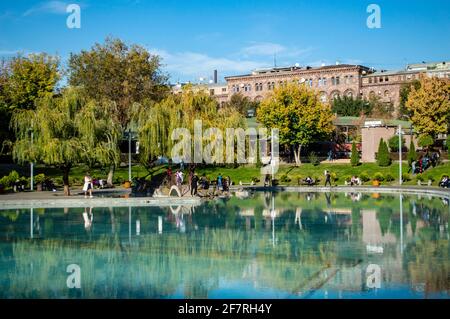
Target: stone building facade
334,80
330,81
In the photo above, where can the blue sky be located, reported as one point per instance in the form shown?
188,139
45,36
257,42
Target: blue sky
196,37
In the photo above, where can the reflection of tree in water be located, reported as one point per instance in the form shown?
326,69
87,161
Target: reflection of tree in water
427,260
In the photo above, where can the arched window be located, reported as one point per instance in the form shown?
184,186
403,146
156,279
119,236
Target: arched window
323,97
386,93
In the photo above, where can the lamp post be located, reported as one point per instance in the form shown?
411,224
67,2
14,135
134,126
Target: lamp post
400,179
32,165
129,155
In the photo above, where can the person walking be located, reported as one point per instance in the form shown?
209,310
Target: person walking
327,178
194,185
219,181
87,187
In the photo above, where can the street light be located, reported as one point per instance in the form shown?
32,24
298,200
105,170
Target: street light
31,164
399,133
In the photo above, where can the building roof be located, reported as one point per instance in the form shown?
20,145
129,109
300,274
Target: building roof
295,68
430,66
358,121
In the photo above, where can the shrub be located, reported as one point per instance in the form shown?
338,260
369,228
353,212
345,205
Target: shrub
378,176
412,155
406,177
429,178
393,143
425,141
255,179
347,178
285,179
58,181
39,179
389,177
354,160
313,159
419,178
364,176
297,179
334,177
383,158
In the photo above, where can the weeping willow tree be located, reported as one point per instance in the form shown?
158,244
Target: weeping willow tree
67,130
156,121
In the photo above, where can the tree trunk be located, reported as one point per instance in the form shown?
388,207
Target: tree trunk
297,150
109,181
66,171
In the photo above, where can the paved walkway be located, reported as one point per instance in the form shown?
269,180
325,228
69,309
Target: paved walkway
75,194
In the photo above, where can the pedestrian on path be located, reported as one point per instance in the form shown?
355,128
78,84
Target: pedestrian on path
87,187
327,178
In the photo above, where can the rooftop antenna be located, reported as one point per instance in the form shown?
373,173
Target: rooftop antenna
275,60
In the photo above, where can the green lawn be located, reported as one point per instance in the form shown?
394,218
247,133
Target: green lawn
247,173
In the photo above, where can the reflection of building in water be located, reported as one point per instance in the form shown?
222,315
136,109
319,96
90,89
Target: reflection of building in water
372,234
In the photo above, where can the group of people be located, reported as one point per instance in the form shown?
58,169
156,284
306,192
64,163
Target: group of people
354,180
424,162
223,183
444,182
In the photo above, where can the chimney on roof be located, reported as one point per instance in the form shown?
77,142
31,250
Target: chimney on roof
215,76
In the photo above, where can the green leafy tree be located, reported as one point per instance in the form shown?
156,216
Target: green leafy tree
383,158
241,103
299,115
120,73
349,106
405,89
425,141
30,78
379,109
354,160
430,106
412,155
393,143
156,121
68,130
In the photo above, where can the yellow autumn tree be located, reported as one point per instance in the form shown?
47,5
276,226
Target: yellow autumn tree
430,106
298,113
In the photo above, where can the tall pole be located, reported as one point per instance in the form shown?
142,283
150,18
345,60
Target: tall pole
400,181
31,167
401,224
129,155
31,223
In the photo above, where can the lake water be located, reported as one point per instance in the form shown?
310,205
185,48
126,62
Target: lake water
252,245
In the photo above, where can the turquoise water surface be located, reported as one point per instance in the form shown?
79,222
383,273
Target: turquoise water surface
251,245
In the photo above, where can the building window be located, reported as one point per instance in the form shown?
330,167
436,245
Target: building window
211,92
386,79
270,85
370,80
324,81
224,90
323,97
352,79
381,79
350,94
375,80
337,80
386,93
247,87
333,81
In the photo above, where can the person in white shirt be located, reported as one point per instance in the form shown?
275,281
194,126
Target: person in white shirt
87,187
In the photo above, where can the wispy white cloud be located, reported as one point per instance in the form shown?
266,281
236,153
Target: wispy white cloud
194,65
265,49
52,7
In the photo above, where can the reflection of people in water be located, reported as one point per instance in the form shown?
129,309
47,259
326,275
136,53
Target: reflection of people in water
88,218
